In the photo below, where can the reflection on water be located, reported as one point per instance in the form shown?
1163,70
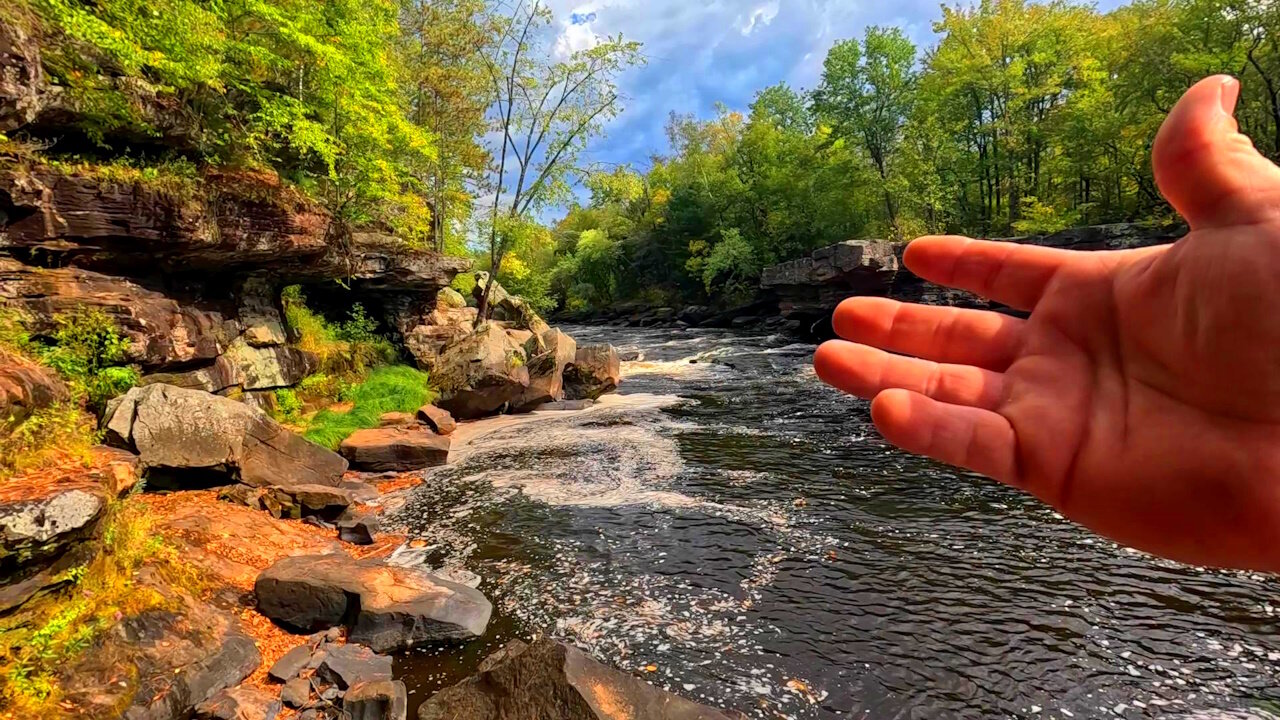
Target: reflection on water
739,534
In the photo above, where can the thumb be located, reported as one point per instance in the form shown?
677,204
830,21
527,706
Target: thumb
1206,169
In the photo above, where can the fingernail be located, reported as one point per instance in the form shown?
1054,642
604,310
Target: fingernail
1229,95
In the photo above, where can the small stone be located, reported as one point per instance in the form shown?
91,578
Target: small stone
348,665
358,528
239,703
290,664
333,634
296,692
378,700
437,419
393,419
330,693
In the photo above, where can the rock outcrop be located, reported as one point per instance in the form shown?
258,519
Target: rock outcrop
547,679
595,371
189,435
26,387
396,448
48,526
385,607
806,291
505,307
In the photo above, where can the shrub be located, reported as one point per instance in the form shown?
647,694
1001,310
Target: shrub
88,351
396,388
288,406
350,348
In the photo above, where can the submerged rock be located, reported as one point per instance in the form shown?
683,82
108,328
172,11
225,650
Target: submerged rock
395,449
595,371
385,607
547,679
188,436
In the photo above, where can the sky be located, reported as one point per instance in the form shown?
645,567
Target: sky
702,53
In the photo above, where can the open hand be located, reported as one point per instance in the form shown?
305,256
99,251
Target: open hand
1142,396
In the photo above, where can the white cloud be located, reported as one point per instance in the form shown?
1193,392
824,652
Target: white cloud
759,17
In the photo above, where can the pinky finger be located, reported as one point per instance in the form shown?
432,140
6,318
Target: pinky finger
967,437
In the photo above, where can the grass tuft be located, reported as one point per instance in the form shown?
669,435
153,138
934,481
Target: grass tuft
395,388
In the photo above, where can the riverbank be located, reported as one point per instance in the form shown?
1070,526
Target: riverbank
158,662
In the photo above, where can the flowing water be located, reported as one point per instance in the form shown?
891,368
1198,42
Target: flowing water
736,532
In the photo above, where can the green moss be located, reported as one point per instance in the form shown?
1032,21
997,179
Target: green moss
396,388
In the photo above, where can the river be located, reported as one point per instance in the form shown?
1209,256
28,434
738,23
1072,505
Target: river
736,532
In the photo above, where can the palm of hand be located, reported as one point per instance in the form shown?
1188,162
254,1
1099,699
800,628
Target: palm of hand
1142,396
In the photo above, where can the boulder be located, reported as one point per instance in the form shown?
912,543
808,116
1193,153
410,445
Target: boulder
239,703
451,299
546,370
481,374
26,387
595,370
215,377
547,679
376,700
187,435
385,607
291,664
358,528
438,420
298,501
349,665
45,531
395,449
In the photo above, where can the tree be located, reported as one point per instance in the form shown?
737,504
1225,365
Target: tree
545,113
445,43
866,93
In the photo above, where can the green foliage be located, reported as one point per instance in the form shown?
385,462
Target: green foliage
1023,117
346,349
396,388
288,406
87,349
13,332
464,283
353,100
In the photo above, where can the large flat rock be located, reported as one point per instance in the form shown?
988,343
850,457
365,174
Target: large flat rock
395,449
384,606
